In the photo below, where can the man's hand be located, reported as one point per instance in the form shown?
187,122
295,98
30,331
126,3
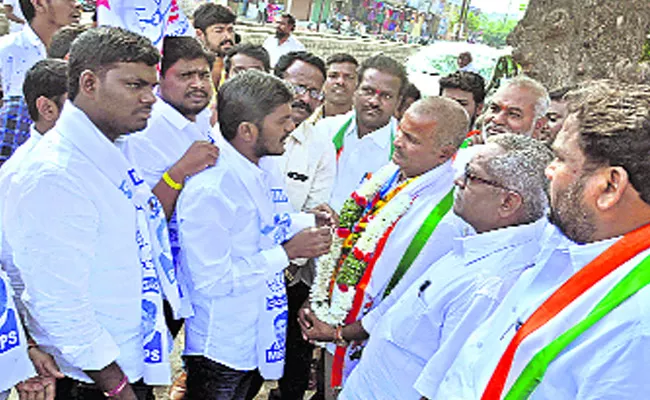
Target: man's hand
309,243
44,364
37,388
325,216
201,155
314,329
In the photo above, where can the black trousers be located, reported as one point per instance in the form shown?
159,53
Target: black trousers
210,380
71,389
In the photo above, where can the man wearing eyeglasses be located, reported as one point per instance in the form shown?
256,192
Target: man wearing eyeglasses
502,196
363,137
309,167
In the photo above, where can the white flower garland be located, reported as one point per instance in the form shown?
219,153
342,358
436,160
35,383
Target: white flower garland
334,310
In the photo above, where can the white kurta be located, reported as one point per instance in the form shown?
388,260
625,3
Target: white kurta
437,312
277,50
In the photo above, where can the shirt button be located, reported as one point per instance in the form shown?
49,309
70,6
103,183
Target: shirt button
479,345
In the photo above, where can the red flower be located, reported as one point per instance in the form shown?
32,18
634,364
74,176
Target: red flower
367,258
361,201
343,232
343,287
358,254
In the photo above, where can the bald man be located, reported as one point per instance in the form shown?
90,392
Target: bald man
413,189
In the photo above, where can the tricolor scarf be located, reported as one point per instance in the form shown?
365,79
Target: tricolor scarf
607,282
339,138
151,236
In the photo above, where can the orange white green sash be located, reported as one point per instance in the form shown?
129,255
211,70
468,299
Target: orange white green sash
339,139
600,269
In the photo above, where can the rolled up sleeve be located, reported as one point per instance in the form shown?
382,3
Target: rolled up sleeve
53,230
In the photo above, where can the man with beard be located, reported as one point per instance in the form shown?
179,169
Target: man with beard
309,167
238,234
246,56
215,27
283,41
557,112
88,236
17,55
385,240
339,85
364,137
519,106
574,326
502,195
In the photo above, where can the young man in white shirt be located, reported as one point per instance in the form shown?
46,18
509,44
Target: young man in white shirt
246,56
177,142
45,91
283,41
364,137
88,236
18,52
237,237
340,83
503,197
309,167
600,199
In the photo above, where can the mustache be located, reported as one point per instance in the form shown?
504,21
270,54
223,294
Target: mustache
202,92
227,41
303,105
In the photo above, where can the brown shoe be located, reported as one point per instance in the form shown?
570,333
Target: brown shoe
177,390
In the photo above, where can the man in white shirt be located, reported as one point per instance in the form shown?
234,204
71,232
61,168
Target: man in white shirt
464,62
600,199
237,237
364,137
518,106
88,236
215,27
18,52
45,89
246,56
502,195
340,83
283,41
413,197
177,142
309,167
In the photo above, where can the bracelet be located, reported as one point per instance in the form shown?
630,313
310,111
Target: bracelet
118,389
338,337
170,182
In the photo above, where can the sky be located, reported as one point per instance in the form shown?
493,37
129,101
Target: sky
497,6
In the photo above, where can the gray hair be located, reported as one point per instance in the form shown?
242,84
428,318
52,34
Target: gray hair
249,97
451,117
521,168
540,92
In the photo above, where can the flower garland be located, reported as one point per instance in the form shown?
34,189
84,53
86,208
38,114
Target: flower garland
365,218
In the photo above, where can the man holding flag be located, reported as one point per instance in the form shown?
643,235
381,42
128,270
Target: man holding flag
575,325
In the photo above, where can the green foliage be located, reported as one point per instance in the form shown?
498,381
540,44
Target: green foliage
646,50
496,32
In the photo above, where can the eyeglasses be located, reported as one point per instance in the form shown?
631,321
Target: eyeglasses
370,92
313,93
470,176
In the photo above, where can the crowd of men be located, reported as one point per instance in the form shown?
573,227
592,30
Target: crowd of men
461,246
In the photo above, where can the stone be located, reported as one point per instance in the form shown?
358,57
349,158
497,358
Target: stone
564,42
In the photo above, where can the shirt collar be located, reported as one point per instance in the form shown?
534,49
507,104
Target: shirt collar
300,134
172,115
244,167
382,136
476,246
32,38
33,133
317,115
583,254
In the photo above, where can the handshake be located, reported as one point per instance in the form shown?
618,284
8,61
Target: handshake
313,242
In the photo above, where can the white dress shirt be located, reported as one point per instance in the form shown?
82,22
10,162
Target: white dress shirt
72,233
219,213
358,156
606,362
19,52
437,312
163,142
277,50
7,171
18,12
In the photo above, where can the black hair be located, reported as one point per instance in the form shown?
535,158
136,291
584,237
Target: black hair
28,10
98,49
182,48
48,78
558,94
249,97
386,65
341,58
290,19
251,50
62,40
209,14
467,82
286,60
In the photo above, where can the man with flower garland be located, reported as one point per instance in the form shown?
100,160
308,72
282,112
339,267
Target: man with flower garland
385,224
576,325
502,195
